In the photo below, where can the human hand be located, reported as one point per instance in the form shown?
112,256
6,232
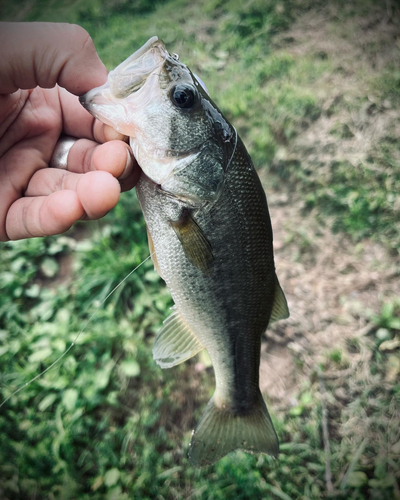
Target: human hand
36,200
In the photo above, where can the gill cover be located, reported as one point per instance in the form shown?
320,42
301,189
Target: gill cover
177,134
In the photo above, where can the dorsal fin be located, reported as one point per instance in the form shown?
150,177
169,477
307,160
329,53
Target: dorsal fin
280,309
175,342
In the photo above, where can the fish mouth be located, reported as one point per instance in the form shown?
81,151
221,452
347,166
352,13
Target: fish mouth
131,74
124,82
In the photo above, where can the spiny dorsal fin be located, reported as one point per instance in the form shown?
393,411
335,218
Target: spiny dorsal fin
196,246
280,308
175,342
153,253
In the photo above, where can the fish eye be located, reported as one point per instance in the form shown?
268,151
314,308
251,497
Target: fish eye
183,96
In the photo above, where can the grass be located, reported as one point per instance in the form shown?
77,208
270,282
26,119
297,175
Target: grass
107,422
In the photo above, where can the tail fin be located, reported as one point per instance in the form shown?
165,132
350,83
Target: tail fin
221,431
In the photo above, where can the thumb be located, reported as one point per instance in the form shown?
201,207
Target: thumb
48,53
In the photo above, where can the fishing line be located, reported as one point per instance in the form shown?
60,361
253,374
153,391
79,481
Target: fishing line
77,337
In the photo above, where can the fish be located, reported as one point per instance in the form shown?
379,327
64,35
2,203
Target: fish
210,238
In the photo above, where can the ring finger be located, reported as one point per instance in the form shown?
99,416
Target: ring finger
114,157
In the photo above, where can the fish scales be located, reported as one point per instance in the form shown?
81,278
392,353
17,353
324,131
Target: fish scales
233,305
210,236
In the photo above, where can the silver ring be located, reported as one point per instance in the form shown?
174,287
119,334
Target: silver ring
59,158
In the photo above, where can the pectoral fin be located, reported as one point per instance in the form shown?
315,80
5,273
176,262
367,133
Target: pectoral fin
196,246
280,309
153,253
175,342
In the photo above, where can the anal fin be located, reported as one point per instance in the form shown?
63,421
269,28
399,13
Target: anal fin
175,342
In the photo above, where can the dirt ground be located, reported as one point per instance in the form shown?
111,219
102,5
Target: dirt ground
333,285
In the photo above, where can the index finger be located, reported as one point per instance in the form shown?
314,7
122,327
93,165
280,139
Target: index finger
43,54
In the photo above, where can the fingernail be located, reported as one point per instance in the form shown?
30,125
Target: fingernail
128,166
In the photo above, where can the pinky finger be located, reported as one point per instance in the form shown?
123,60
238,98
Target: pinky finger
43,215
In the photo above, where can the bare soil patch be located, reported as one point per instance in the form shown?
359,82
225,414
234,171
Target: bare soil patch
333,285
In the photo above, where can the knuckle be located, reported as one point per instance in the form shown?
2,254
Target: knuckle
87,160
82,38
61,182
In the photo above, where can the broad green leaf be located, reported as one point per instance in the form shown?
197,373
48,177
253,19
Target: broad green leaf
25,424
396,448
97,483
116,494
382,334
59,345
387,309
296,411
3,350
17,264
49,267
387,482
33,291
357,479
6,278
69,399
103,377
47,401
394,323
63,315
84,246
76,415
45,310
111,477
306,398
130,368
60,243
40,355
151,276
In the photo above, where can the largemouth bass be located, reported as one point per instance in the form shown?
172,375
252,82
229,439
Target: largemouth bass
210,235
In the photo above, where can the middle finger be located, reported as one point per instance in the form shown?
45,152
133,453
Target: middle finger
114,157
